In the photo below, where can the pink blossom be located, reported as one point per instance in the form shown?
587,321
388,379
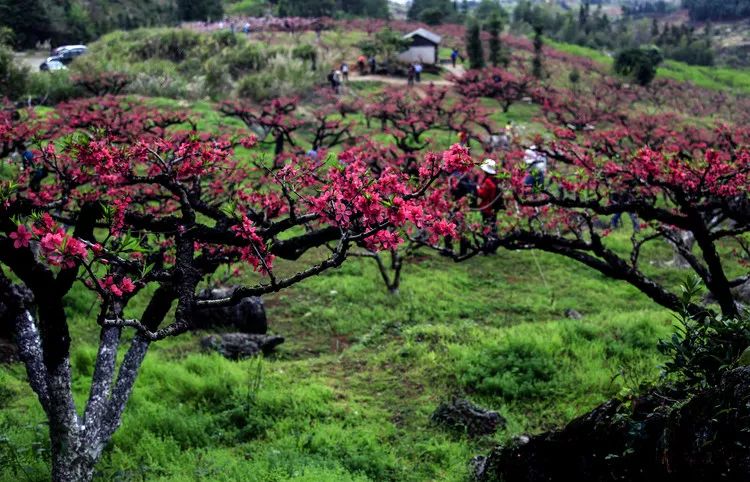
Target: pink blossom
21,237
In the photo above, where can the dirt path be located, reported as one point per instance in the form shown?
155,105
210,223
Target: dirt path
396,80
457,71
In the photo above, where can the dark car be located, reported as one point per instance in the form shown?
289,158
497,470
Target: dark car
64,55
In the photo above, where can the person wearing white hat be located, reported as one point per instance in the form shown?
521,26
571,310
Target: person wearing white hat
536,167
488,194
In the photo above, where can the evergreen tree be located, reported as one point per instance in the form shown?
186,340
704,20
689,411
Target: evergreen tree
494,27
200,9
537,69
474,46
433,9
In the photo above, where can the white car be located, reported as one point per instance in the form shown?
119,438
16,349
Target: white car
64,55
63,48
53,65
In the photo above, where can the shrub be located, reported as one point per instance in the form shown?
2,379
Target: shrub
514,368
702,349
217,78
169,44
12,77
249,58
52,87
282,77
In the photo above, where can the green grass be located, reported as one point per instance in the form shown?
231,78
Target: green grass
716,78
348,397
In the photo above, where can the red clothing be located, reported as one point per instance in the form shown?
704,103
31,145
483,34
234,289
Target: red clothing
487,194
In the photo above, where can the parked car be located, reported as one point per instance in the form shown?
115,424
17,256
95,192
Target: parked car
64,55
52,65
59,50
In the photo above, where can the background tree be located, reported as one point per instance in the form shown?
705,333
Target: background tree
13,77
488,8
537,63
200,9
494,27
639,64
386,43
436,11
474,48
364,8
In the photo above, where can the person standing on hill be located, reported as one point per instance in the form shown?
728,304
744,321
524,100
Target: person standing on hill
373,65
361,61
337,79
410,75
345,71
489,199
418,72
454,57
536,167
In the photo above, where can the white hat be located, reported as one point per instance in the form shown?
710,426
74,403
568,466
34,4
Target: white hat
488,166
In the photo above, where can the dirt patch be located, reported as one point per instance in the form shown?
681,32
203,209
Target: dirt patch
31,59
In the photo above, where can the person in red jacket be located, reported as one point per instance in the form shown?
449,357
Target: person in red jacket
489,196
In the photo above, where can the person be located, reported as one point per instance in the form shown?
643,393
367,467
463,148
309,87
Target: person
410,74
536,167
463,138
418,72
489,198
454,56
373,65
337,76
332,79
361,61
318,31
616,221
246,28
461,185
40,171
313,154
345,71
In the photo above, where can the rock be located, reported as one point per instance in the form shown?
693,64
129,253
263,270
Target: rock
465,417
741,295
237,346
573,314
478,466
247,316
665,435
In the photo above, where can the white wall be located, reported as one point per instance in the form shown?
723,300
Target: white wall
425,55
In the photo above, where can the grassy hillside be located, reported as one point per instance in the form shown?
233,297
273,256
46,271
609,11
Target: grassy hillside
734,80
348,396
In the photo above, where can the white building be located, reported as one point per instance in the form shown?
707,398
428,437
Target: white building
424,47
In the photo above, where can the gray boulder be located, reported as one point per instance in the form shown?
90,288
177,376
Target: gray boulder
741,295
461,415
573,314
237,346
247,316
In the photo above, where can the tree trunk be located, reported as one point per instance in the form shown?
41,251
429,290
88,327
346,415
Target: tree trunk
72,461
